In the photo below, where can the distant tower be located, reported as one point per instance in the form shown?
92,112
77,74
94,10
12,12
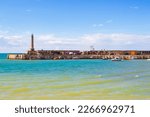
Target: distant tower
32,42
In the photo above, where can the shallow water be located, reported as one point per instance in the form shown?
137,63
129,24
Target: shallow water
74,79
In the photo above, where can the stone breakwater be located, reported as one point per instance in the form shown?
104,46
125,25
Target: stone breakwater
33,54
75,54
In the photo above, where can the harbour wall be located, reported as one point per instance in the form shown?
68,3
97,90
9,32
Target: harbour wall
16,56
33,54
41,56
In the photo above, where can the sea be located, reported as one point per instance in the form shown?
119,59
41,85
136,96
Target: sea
74,79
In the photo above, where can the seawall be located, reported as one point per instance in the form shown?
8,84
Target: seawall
54,55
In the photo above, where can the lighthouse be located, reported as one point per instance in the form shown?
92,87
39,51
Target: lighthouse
32,42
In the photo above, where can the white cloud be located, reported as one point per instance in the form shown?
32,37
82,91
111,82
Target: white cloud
12,43
98,25
109,21
102,24
118,41
53,39
21,43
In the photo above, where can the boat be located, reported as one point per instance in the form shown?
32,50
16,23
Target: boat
116,59
148,59
104,58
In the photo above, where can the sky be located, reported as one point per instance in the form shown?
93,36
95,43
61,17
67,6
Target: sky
74,24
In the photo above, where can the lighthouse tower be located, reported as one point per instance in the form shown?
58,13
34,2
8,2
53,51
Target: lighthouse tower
32,42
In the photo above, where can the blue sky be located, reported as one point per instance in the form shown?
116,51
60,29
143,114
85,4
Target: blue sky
74,24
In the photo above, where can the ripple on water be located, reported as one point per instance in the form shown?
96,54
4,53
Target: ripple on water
77,79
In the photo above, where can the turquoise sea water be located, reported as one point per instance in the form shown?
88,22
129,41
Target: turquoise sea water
74,79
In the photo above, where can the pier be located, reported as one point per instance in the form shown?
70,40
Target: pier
33,54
